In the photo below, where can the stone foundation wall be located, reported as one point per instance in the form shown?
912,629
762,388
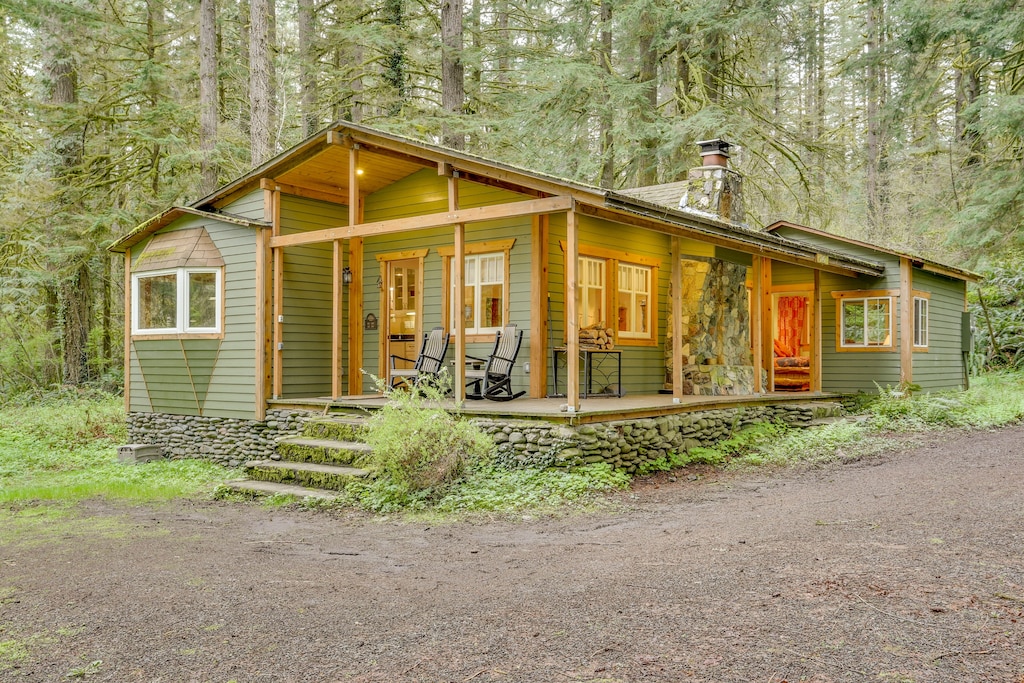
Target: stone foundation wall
229,441
628,444
625,444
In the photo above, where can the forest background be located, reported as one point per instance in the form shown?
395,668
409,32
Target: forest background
899,122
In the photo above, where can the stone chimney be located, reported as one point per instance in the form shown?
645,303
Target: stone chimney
713,188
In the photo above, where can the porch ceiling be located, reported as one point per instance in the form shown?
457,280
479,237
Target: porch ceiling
326,173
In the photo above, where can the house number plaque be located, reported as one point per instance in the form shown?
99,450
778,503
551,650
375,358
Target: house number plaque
370,323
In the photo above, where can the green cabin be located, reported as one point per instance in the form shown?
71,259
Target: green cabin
294,284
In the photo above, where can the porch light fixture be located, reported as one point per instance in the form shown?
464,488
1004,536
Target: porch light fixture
346,276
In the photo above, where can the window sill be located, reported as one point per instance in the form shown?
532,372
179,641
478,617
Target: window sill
136,336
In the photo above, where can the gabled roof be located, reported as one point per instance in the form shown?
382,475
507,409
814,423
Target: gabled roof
318,167
172,214
925,264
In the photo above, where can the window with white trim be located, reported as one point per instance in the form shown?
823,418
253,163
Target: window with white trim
177,301
920,322
633,301
866,323
484,295
590,291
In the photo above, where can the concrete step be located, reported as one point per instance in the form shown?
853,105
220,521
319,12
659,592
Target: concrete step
313,475
321,451
340,428
269,488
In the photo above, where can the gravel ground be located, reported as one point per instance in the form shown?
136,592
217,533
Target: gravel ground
907,567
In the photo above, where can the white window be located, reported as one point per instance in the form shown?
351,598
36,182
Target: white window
590,296
633,301
176,301
485,293
866,323
920,322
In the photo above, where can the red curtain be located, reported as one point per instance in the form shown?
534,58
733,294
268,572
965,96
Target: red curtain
792,321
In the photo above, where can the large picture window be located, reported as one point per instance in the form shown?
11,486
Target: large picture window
178,301
866,322
484,295
617,290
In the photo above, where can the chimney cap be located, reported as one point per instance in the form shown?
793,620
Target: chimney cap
717,146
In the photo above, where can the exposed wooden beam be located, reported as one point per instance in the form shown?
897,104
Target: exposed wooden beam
478,214
325,193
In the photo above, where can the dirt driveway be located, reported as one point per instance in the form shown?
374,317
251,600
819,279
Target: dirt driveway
908,567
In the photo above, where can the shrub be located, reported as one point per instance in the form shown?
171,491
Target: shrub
418,444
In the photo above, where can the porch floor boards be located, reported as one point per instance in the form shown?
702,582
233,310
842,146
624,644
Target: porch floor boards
594,409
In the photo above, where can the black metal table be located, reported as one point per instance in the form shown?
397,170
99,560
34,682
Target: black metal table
594,363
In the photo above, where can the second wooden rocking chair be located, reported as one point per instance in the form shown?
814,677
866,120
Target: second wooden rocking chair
494,381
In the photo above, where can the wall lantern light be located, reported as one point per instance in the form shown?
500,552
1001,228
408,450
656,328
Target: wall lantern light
346,276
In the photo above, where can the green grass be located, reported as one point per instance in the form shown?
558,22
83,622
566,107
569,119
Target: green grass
66,450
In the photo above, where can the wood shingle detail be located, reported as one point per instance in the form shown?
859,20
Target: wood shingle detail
178,249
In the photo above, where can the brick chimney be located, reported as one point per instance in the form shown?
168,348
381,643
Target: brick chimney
713,188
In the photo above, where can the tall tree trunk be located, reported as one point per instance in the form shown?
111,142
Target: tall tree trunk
504,42
208,111
647,160
260,92
73,304
606,120
307,66
968,78
872,111
154,16
453,77
394,60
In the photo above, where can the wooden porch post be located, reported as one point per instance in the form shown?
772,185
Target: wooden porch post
572,332
906,321
277,257
263,307
459,295
539,308
756,333
337,297
677,321
128,329
355,294
767,318
816,335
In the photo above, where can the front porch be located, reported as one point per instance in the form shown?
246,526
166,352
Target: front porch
591,410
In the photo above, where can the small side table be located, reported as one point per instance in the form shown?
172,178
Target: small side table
595,362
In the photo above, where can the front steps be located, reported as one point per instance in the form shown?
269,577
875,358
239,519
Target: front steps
316,464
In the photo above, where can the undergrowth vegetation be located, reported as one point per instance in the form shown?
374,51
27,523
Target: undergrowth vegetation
64,448
427,459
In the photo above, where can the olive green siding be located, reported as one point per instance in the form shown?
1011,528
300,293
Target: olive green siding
308,294
942,365
643,367
214,378
425,192
250,206
789,275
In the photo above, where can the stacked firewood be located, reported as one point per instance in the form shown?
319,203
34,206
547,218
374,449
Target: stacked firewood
597,337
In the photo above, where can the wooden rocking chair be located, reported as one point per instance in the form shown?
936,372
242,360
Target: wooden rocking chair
427,364
494,381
